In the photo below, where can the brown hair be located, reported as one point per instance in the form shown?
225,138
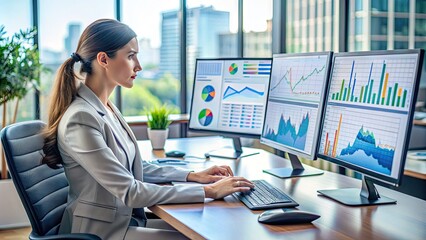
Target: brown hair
103,35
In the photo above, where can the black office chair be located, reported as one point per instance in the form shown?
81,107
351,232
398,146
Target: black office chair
43,191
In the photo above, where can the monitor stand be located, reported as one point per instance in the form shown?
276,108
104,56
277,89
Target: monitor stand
237,151
296,170
354,197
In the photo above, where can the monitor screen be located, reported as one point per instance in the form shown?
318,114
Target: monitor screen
229,95
295,101
368,113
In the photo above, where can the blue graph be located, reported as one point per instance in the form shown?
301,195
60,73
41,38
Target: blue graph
245,92
287,134
364,152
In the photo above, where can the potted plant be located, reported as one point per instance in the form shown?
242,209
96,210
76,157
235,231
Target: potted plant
158,123
19,71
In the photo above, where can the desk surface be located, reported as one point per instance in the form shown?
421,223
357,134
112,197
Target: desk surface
230,219
415,168
420,122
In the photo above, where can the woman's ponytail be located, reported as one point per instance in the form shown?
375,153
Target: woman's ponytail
63,93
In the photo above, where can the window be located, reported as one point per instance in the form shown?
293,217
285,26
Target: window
420,27
16,16
302,9
358,26
421,45
157,28
379,45
358,5
420,6
401,26
358,45
402,5
323,34
257,28
307,10
292,40
60,32
379,26
324,9
400,45
380,6
211,33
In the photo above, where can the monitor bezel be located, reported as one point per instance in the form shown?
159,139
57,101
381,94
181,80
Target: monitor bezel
224,133
372,174
280,147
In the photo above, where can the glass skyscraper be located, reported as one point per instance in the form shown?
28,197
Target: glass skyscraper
387,24
313,25
204,24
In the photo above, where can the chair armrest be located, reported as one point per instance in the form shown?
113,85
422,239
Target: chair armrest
71,236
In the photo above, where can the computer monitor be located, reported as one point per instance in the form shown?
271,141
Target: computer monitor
368,117
294,108
228,99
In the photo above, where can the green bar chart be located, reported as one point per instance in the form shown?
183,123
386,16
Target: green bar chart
385,93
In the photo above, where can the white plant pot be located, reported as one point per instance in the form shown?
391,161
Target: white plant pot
158,138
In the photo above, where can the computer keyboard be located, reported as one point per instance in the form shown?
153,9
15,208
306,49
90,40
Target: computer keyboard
265,196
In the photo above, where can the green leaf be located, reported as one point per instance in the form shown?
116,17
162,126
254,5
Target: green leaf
20,65
158,117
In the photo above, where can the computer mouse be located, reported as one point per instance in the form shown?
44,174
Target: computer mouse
287,216
175,153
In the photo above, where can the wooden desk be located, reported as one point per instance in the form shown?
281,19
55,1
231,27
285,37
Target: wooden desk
230,219
414,179
415,168
420,122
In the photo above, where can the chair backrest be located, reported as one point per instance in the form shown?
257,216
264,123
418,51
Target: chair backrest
43,191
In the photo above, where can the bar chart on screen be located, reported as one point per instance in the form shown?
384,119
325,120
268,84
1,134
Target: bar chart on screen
382,83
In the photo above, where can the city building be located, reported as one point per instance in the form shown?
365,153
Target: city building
71,41
312,26
256,44
382,25
148,54
373,25
149,58
204,24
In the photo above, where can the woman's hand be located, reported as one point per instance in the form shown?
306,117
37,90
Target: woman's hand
210,175
227,186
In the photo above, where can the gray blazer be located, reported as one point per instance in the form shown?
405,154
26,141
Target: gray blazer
104,185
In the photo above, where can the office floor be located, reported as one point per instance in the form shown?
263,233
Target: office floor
15,234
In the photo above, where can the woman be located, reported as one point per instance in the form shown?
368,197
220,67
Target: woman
109,183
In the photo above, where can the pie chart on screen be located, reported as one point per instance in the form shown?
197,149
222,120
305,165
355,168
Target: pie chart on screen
205,117
208,93
233,69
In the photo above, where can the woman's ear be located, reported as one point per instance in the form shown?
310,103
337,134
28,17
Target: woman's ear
102,59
